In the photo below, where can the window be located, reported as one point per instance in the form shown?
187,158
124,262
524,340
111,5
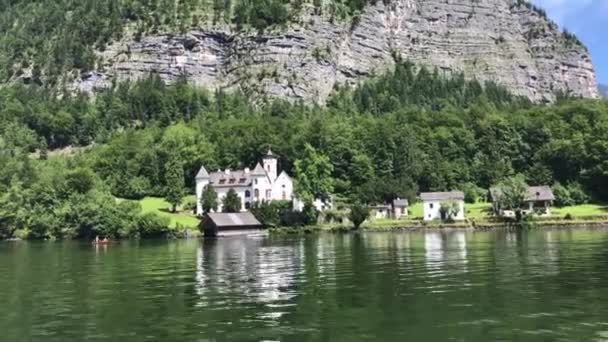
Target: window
222,181
247,205
268,168
256,193
283,186
232,181
242,180
430,205
284,195
256,181
247,193
268,194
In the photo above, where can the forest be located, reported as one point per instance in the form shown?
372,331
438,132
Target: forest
407,131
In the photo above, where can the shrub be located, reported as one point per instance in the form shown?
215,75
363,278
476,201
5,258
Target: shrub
152,225
358,214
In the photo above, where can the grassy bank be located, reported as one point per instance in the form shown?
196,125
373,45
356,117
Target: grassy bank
182,219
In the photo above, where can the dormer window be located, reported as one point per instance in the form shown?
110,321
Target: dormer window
242,180
222,181
232,181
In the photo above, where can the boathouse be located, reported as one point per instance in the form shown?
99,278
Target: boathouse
222,224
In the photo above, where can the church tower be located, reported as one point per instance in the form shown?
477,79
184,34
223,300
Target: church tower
270,165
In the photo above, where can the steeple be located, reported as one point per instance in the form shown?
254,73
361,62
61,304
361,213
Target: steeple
270,165
269,154
202,173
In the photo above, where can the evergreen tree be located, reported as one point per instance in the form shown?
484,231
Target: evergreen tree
232,202
209,200
174,178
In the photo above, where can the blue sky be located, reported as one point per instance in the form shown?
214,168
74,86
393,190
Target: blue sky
589,20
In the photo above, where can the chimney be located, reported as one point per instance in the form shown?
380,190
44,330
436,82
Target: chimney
247,170
227,171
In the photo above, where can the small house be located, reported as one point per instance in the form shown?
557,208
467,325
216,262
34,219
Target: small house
433,201
379,211
223,224
400,208
538,200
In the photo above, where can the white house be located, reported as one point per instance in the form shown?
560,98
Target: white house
538,201
263,183
432,201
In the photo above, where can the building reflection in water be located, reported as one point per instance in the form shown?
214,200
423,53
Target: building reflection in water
444,249
248,270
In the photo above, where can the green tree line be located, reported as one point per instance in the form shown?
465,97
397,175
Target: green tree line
407,131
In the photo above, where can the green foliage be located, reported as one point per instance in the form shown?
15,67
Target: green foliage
313,175
269,213
80,180
381,141
151,225
174,178
232,202
209,200
511,194
569,195
449,210
473,193
358,214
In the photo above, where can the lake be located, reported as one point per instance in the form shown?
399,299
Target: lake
417,286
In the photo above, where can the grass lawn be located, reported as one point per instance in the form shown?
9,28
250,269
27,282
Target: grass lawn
161,207
582,210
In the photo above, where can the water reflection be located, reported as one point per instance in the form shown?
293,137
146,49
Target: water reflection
445,250
248,270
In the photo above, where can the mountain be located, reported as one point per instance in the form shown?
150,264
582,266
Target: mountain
300,50
603,90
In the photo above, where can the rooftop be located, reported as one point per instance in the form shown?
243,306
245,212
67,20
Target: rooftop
245,219
442,196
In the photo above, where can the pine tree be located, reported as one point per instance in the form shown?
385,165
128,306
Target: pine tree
174,182
209,200
232,202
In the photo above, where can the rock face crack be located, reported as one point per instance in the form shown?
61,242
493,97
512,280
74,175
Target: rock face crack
496,40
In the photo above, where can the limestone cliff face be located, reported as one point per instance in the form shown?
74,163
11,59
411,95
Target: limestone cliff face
497,40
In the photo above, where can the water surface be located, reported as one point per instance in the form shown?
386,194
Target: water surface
423,286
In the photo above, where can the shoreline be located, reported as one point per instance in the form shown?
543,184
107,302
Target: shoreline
416,227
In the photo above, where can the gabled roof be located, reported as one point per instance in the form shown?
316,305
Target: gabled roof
533,193
539,193
442,196
233,179
400,202
258,170
245,219
202,173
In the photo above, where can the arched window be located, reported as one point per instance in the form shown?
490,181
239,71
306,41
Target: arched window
256,193
247,193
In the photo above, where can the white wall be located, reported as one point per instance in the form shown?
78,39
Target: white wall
283,183
431,210
221,193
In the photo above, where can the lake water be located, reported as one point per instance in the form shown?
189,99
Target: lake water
433,286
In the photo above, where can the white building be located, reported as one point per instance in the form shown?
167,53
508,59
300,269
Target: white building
432,201
263,183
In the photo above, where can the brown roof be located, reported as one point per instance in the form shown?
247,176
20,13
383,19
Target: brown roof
232,179
442,196
534,193
540,193
244,219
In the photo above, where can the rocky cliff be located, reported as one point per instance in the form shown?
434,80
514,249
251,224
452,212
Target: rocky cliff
501,40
